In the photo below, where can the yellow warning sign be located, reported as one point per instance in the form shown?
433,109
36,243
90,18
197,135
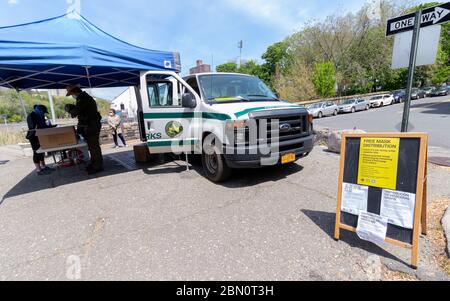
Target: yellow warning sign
378,162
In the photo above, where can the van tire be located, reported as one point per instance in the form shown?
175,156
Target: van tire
215,167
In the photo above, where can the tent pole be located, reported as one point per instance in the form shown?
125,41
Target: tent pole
52,106
22,104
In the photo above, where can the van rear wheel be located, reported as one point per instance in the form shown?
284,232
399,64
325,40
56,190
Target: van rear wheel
214,165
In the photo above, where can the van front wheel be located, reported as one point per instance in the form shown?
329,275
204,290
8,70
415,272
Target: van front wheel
214,165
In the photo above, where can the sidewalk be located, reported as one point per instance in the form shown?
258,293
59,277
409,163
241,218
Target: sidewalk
158,222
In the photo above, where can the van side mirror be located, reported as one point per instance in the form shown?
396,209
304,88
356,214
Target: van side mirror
188,101
277,95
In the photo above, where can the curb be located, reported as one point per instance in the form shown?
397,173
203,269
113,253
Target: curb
446,226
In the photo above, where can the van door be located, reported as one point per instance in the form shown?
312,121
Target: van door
170,127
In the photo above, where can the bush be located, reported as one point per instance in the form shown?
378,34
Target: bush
10,138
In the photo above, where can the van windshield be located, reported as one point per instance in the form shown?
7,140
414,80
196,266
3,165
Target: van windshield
219,88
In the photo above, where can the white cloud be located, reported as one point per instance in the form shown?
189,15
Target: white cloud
13,2
285,14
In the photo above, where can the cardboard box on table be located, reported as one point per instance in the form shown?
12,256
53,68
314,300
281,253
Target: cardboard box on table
57,137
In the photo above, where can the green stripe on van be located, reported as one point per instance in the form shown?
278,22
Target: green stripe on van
245,112
187,115
172,143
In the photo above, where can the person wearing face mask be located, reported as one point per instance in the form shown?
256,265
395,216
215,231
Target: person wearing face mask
89,125
116,124
36,120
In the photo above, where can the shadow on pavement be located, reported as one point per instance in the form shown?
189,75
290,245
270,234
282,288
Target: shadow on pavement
66,176
239,178
326,221
439,108
3,162
123,162
252,177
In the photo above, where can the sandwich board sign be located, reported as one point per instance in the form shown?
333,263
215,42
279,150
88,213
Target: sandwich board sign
383,188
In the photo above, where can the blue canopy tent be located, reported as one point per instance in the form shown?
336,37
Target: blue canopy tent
69,50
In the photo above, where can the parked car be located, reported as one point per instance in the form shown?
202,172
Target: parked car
399,96
353,105
381,100
322,109
440,91
427,91
417,93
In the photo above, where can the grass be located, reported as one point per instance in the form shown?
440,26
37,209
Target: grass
10,138
436,211
389,275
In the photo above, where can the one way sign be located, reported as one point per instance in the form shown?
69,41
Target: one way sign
431,16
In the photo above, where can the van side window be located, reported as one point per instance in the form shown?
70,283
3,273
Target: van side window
194,84
161,94
152,95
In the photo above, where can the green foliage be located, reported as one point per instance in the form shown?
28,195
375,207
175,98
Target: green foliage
277,57
324,79
250,67
11,107
10,138
228,67
355,46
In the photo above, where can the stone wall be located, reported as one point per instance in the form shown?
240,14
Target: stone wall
131,132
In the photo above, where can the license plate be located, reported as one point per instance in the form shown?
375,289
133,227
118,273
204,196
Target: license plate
288,158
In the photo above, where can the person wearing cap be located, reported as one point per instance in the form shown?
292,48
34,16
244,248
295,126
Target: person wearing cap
89,125
36,120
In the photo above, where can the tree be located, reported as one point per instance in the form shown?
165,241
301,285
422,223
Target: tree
10,105
228,67
250,68
277,57
324,79
294,84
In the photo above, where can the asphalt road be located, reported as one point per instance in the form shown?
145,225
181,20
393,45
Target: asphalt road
157,222
431,115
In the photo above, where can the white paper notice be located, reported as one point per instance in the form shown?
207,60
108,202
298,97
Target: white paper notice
354,198
398,207
372,227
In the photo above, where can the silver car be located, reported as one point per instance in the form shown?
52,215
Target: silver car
322,109
354,105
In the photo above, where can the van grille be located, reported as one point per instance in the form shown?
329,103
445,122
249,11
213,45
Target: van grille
290,127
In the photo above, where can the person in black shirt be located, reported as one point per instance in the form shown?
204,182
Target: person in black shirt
36,120
89,125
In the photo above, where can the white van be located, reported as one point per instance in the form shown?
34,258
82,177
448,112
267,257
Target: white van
233,120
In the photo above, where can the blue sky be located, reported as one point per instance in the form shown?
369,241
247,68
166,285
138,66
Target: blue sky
198,29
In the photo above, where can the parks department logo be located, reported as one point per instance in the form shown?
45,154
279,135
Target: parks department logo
174,129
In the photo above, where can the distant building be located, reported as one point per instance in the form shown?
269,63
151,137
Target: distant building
200,68
126,103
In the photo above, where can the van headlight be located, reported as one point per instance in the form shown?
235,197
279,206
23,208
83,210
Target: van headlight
236,124
239,130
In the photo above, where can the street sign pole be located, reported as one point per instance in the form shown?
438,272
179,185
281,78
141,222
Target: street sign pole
412,67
